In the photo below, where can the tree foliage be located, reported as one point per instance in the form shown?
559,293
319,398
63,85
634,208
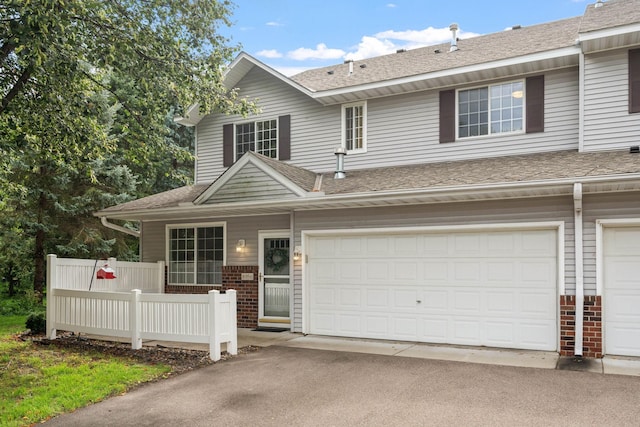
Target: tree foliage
88,89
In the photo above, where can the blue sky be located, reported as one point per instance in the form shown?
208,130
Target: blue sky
294,35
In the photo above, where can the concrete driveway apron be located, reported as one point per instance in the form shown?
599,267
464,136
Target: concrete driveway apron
281,385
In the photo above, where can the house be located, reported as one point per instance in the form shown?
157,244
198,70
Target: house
489,195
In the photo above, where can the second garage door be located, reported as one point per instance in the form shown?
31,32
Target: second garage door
496,288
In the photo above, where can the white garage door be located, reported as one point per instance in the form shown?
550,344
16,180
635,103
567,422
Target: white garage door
473,288
621,297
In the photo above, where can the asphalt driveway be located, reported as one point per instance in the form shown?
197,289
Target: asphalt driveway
303,387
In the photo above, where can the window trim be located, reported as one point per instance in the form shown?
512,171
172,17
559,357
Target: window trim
266,119
343,130
194,225
523,81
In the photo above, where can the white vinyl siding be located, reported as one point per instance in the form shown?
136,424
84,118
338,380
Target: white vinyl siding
408,121
607,122
478,213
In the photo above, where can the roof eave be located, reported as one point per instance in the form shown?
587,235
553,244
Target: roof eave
451,194
610,38
542,61
244,62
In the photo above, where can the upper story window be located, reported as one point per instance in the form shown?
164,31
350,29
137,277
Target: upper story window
260,137
271,138
512,107
491,109
195,254
634,81
354,127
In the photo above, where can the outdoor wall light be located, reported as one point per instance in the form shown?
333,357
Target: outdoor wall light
297,253
240,245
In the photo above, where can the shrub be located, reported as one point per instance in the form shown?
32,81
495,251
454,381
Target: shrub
37,323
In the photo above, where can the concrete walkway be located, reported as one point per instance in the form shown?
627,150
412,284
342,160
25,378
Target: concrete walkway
488,356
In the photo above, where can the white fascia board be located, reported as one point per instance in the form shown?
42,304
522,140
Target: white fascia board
248,58
237,167
558,53
608,32
471,192
192,116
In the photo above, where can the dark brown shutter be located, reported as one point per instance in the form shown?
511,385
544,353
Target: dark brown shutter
227,145
535,104
284,137
447,116
634,81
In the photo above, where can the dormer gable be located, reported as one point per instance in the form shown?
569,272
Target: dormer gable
254,178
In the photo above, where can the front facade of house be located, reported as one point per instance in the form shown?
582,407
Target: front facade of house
491,193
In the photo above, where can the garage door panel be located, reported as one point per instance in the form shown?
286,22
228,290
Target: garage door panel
434,329
475,288
621,293
466,302
534,335
435,300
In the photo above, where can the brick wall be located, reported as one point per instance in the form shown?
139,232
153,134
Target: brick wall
592,327
247,292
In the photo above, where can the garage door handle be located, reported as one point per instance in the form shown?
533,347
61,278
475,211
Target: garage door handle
418,301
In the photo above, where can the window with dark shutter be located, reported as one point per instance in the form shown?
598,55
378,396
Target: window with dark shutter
284,137
447,116
227,145
634,81
535,104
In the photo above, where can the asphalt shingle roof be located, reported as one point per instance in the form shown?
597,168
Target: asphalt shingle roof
472,51
499,170
612,13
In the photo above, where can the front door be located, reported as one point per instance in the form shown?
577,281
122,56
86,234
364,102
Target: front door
274,279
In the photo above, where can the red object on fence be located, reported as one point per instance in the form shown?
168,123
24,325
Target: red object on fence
106,272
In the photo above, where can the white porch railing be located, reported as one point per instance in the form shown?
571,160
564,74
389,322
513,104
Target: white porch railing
80,274
169,317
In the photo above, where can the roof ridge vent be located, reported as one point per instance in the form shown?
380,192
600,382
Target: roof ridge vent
454,37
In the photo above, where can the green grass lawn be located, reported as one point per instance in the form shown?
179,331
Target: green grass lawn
37,382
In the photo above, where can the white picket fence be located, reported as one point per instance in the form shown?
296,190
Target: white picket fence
209,318
80,274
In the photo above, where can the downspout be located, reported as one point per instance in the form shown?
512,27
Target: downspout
134,233
581,94
579,310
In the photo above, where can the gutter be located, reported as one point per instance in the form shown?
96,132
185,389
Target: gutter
494,191
106,223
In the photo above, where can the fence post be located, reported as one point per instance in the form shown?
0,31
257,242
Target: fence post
52,265
135,319
232,344
161,278
114,284
214,333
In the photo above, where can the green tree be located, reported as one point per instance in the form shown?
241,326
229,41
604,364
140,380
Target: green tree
86,89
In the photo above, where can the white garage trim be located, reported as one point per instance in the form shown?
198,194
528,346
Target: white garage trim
612,340
600,224
558,226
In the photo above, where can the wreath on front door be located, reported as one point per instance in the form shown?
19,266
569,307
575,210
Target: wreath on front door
276,259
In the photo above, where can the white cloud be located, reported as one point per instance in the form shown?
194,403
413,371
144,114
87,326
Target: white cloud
320,52
273,24
369,47
389,41
392,5
269,53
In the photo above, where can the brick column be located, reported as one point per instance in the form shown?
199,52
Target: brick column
592,326
247,292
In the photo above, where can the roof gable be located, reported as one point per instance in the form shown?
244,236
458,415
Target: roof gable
255,177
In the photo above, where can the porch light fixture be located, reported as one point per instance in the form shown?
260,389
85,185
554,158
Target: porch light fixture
240,245
297,253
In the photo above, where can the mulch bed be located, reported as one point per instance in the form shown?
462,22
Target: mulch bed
180,359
